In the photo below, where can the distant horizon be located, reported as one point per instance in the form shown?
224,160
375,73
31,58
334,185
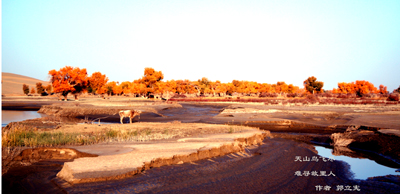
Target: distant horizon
262,41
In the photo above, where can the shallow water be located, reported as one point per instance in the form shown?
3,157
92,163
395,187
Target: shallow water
362,168
8,116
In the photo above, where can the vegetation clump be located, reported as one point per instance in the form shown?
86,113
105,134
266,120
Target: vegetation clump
33,138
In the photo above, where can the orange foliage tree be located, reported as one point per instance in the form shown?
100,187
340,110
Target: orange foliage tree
203,85
69,80
126,87
150,78
139,88
74,80
185,87
345,88
96,83
383,89
221,89
265,88
360,88
364,87
312,85
112,88
292,89
281,87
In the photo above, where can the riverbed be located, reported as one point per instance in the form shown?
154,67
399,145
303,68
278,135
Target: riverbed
361,168
217,172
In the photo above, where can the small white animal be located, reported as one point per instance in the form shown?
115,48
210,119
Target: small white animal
129,113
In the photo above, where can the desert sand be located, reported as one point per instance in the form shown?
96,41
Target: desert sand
12,83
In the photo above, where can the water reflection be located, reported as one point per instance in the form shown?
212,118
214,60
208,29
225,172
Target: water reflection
8,116
361,167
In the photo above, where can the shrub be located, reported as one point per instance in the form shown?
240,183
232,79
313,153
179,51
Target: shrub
393,97
291,95
397,90
179,96
326,94
265,94
312,98
366,95
39,88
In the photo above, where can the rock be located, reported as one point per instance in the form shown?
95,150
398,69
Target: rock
340,140
353,128
388,178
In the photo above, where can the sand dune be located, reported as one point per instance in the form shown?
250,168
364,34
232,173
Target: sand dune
12,83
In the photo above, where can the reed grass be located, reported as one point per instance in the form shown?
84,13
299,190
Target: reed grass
32,138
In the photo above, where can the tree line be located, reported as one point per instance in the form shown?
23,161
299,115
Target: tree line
40,89
73,80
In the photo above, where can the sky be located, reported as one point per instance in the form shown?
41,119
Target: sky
264,41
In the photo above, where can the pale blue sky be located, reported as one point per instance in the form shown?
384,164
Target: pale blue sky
264,41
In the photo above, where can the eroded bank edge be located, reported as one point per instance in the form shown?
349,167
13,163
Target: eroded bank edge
64,178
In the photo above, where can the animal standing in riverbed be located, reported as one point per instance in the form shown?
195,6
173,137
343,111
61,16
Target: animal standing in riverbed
129,113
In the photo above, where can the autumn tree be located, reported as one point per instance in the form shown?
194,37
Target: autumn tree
292,89
213,87
96,82
248,88
281,87
39,88
203,85
265,88
33,91
397,90
230,88
345,88
185,87
236,86
49,89
150,78
25,88
383,89
222,89
362,87
167,89
311,85
126,87
69,80
111,88
117,89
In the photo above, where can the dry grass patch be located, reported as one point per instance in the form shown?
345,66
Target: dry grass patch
84,134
